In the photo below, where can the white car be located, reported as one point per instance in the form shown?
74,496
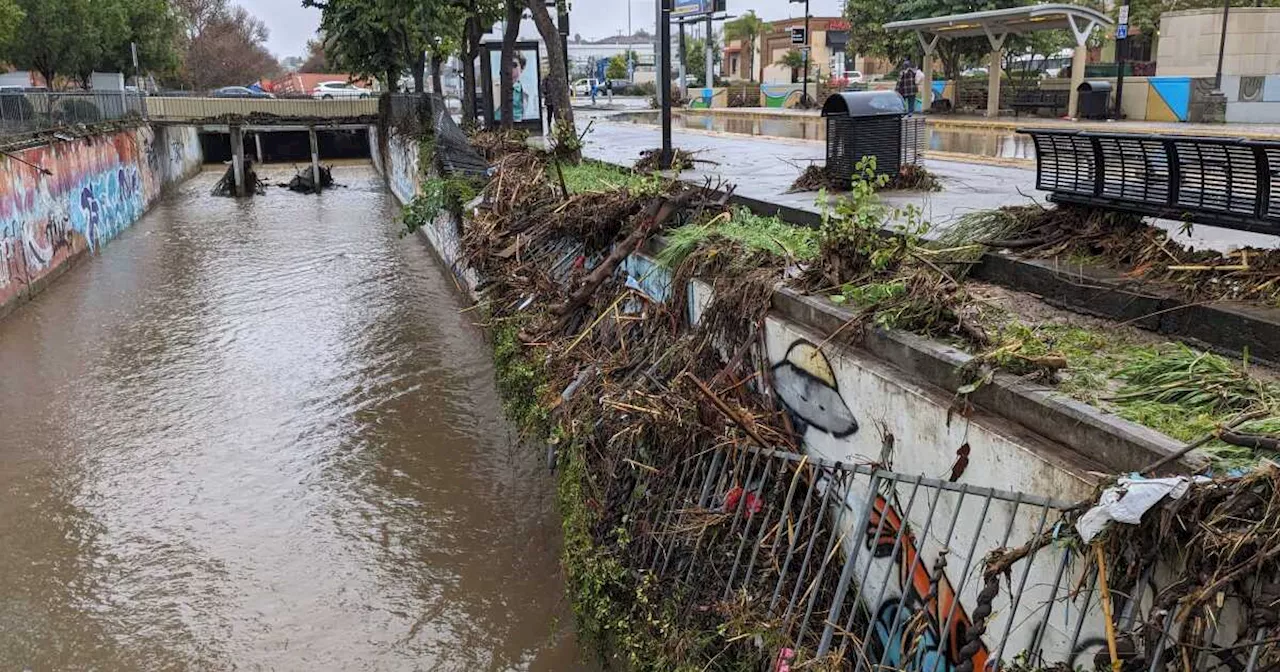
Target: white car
854,76
330,90
582,87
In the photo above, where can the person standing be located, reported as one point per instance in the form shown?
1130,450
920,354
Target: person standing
907,87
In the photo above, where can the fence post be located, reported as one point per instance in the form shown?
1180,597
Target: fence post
846,573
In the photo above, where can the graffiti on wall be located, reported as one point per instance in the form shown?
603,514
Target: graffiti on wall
99,186
806,384
402,167
908,628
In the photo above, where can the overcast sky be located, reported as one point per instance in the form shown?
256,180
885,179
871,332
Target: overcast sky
292,25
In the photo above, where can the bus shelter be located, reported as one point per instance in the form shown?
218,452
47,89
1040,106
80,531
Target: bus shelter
996,25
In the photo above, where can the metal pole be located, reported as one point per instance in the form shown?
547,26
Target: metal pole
710,79
1222,45
808,48
664,79
1122,53
683,72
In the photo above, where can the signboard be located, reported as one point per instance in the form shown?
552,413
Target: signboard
1122,23
692,7
798,36
1122,32
526,98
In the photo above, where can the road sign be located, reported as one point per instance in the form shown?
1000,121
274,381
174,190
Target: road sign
1123,19
798,36
1122,32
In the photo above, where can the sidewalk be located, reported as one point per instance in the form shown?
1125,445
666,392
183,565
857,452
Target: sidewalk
1251,131
764,168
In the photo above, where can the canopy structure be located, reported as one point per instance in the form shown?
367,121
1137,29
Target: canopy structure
996,25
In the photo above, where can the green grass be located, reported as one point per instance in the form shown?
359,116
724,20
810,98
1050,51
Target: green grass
593,176
757,234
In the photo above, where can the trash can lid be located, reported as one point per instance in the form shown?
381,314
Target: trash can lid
864,104
1094,85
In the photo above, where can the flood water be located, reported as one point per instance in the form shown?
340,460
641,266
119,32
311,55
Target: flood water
981,142
261,435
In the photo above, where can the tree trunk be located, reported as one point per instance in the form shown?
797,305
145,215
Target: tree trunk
558,77
419,80
505,84
470,44
437,83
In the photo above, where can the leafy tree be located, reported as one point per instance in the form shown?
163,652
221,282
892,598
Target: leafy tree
696,57
746,29
11,16
617,68
795,60
155,27
373,38
64,37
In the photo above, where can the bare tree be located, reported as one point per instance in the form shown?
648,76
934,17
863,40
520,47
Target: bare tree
227,45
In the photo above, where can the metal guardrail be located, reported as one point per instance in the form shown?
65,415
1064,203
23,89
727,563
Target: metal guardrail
1226,182
879,569
24,112
30,111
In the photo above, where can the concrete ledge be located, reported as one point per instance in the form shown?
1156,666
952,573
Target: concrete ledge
1100,437
1231,328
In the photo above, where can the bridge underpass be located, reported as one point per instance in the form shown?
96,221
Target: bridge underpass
251,124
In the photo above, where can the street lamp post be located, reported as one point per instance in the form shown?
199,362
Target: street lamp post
808,48
1222,46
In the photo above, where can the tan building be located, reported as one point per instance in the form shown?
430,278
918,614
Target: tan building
830,42
1189,41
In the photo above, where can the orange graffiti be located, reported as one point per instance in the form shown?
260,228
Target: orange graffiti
914,578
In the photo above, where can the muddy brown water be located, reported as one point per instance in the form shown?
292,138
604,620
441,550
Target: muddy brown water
260,434
981,142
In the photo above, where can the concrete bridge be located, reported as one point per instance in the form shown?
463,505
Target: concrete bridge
260,113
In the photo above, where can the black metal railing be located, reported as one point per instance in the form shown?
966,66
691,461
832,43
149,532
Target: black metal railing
1225,182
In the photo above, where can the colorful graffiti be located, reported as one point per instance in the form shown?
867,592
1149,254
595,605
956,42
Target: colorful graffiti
806,384
95,187
909,627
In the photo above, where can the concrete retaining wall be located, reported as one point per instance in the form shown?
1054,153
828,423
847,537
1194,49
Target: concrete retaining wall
856,408
97,186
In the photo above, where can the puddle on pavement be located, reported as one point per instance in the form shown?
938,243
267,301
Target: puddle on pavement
1001,144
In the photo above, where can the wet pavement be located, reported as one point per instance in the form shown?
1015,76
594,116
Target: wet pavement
764,167
1004,143
262,435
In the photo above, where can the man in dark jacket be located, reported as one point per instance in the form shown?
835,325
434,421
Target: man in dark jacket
907,86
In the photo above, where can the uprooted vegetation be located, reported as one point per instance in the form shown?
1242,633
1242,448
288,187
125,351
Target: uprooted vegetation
909,177
610,371
1081,235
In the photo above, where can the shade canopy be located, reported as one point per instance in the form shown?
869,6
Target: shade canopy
1014,20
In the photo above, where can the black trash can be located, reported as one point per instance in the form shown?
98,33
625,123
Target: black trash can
864,123
1095,99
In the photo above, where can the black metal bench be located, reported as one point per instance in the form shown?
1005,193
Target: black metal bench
1036,99
1226,182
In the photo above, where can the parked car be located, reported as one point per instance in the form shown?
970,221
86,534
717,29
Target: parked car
330,90
239,92
854,76
582,87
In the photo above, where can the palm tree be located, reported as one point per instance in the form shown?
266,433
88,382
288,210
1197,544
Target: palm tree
746,29
795,60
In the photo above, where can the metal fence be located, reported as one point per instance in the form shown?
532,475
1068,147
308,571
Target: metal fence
25,112
876,569
31,111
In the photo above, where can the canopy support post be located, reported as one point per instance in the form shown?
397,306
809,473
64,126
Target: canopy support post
930,45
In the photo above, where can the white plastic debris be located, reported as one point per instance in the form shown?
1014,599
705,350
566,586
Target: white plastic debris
1127,501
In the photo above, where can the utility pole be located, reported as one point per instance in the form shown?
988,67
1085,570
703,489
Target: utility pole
683,72
808,48
664,79
1222,46
710,79
1122,54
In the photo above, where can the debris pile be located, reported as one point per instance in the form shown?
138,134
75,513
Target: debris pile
226,185
630,391
303,180
1127,243
680,160
910,177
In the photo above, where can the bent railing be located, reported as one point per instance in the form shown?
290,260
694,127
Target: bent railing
1226,182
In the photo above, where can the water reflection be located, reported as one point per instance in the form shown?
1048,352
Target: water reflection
260,434
981,142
